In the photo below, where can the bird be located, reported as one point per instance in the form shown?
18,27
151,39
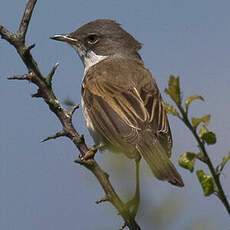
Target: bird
122,104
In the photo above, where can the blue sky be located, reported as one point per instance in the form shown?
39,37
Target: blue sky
41,187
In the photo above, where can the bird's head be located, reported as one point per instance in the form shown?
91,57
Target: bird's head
102,37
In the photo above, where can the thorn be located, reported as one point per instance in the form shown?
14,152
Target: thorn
30,47
58,134
37,95
82,138
72,110
50,75
104,199
26,50
123,226
19,77
27,77
78,161
78,139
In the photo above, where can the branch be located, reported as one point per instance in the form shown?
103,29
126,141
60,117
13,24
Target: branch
45,91
55,136
26,19
220,192
210,184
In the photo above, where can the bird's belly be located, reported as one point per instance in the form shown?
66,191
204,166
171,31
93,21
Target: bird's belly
88,121
98,139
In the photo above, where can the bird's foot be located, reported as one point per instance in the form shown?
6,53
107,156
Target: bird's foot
133,205
91,153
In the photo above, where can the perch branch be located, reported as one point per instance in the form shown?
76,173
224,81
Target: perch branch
45,91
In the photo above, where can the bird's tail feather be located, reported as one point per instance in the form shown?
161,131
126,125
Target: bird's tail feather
157,159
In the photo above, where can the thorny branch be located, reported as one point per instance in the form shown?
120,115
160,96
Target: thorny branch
45,92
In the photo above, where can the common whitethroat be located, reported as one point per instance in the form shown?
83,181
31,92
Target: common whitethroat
121,102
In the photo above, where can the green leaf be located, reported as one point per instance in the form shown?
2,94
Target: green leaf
189,100
207,182
170,109
225,160
203,129
198,120
209,138
173,89
187,161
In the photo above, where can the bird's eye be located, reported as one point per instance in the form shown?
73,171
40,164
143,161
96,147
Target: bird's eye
92,39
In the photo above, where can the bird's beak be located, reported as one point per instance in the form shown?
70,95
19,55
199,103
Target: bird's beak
75,43
64,38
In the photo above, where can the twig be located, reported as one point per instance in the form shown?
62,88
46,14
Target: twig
26,19
220,192
55,136
65,117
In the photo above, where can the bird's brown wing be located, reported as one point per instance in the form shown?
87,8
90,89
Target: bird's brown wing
116,113
158,119
127,111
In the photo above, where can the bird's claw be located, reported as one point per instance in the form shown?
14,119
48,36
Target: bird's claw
90,153
133,205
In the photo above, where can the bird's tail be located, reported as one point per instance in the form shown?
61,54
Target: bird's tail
157,159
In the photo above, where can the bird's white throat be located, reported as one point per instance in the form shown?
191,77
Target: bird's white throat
89,59
92,59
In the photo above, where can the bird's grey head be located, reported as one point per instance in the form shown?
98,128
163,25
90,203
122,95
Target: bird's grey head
103,38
